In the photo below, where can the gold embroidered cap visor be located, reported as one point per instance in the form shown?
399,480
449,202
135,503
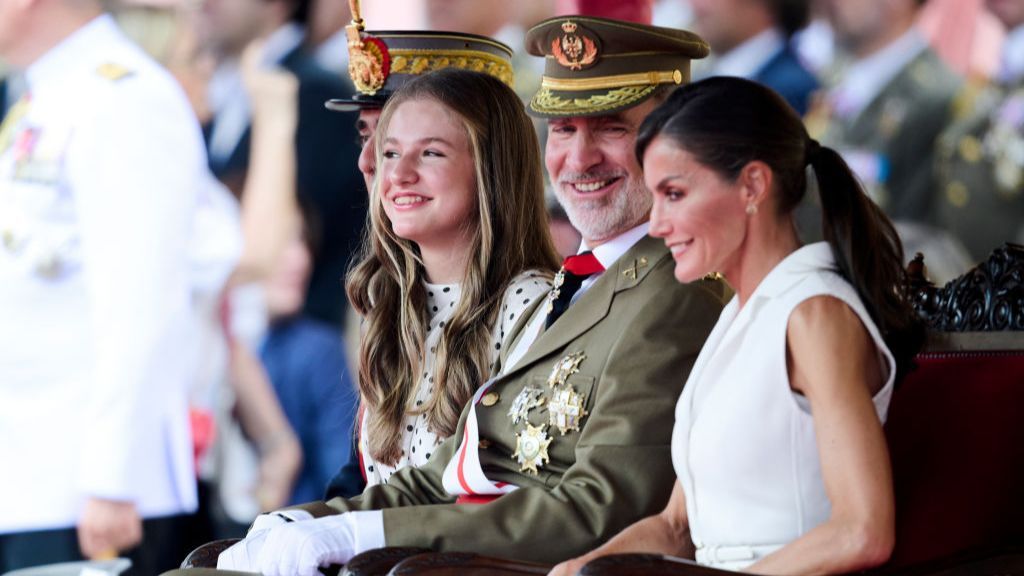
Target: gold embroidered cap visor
597,66
389,59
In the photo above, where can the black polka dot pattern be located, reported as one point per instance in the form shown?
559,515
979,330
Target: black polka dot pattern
441,300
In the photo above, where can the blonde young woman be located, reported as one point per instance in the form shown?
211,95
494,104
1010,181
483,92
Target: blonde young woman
457,249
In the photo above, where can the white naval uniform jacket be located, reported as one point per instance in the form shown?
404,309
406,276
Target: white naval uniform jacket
98,179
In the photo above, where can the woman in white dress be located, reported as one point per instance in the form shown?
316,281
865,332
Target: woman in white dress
778,446
457,249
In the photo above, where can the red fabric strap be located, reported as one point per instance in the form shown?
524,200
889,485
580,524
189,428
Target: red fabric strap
476,498
583,264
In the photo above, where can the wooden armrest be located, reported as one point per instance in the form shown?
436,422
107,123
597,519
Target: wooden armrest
205,556
648,564
465,564
380,561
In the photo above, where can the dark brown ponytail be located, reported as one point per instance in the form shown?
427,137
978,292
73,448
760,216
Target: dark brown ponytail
726,123
867,251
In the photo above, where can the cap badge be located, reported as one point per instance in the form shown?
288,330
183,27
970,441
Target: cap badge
574,49
368,62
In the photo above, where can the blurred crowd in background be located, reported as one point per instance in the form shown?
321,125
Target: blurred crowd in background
924,99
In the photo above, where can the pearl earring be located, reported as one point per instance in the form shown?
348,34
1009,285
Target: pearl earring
751,209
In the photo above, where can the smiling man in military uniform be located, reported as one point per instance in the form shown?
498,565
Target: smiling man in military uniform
100,163
570,441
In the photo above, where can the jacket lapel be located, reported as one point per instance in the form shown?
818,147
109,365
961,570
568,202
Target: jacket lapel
628,271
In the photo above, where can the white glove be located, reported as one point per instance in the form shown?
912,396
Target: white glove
271,519
301,548
243,555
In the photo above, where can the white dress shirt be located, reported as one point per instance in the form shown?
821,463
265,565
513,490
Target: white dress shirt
98,180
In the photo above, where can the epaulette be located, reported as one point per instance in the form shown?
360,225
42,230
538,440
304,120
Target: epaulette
113,72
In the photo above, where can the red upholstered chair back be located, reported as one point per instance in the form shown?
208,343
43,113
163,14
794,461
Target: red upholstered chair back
956,423
956,438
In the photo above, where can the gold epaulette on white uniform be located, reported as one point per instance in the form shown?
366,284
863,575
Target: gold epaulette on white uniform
113,72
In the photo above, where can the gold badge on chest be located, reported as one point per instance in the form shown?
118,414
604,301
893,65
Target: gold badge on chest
565,367
527,399
565,410
531,448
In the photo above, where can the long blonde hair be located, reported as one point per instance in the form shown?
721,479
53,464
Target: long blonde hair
386,285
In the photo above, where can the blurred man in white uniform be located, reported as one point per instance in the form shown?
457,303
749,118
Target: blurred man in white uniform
99,165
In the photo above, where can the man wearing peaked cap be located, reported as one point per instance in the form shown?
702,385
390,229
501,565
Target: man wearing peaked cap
569,440
381,62
596,66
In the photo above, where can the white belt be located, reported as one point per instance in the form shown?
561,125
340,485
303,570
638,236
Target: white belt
741,556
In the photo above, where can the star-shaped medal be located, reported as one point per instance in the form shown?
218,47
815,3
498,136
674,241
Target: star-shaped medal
565,367
527,399
531,449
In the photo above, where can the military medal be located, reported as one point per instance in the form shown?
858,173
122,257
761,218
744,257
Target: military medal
566,410
555,286
528,399
531,448
565,367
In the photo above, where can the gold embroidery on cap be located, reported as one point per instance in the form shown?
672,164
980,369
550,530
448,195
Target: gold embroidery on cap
547,102
417,61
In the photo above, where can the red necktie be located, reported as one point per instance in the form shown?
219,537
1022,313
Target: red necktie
583,264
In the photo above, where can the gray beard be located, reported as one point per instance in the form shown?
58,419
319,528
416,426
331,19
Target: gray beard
610,216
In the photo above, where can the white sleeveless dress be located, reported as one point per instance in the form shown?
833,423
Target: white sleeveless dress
744,445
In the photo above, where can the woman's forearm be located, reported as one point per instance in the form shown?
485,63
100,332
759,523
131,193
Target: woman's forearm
835,547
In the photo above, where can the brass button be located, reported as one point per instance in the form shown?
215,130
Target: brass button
484,444
490,399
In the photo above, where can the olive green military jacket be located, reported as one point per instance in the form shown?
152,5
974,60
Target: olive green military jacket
980,167
640,331
901,126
